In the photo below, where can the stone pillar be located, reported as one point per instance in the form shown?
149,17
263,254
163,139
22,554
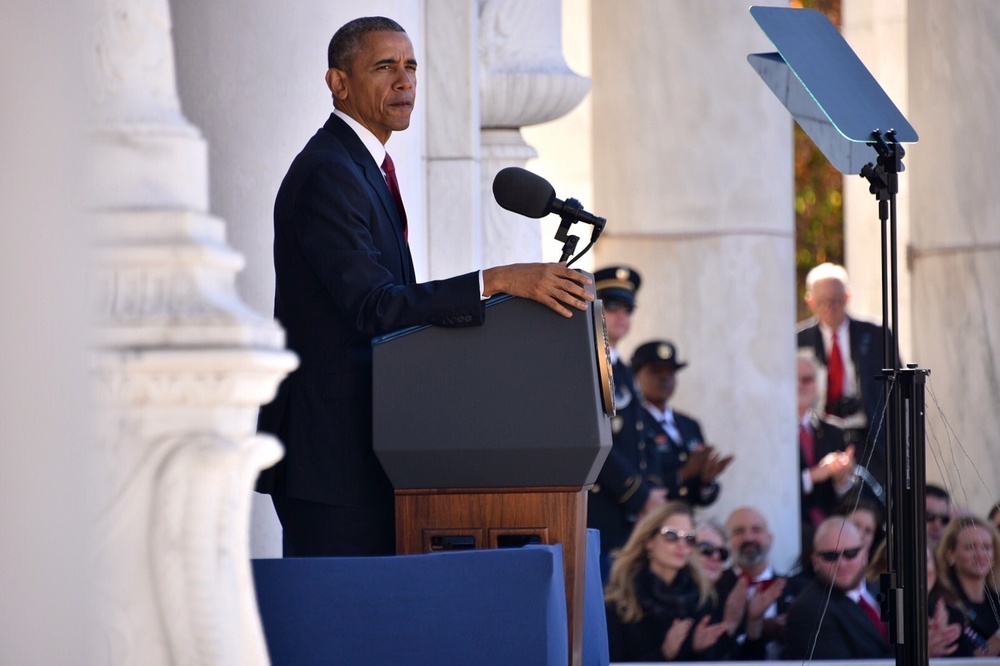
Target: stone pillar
46,439
955,252
180,366
525,81
693,169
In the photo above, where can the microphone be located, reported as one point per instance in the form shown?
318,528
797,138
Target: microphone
520,191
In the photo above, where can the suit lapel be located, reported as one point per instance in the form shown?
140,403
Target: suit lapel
375,179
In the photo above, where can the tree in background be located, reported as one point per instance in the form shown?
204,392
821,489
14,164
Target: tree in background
819,196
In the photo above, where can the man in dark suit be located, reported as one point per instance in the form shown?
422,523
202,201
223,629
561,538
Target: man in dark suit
750,540
843,621
689,468
627,486
826,464
343,274
852,353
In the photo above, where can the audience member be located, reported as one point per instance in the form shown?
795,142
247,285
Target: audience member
750,542
836,616
994,514
944,618
660,604
937,512
711,548
826,466
629,483
968,557
944,630
688,466
851,350
868,517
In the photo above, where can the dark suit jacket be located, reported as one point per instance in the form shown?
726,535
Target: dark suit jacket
846,632
827,438
343,274
867,355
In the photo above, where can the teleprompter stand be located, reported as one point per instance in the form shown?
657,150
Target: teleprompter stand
838,103
492,435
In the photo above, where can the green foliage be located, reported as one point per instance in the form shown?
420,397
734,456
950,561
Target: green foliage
819,197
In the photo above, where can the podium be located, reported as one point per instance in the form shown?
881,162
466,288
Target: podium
493,435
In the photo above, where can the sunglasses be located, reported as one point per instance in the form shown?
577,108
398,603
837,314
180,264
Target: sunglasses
673,536
834,555
943,517
706,549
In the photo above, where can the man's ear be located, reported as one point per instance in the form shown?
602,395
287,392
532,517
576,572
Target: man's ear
336,81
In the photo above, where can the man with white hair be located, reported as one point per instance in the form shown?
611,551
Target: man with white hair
852,353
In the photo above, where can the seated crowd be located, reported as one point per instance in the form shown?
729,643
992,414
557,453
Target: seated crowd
677,589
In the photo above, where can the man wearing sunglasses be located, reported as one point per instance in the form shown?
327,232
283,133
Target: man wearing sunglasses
937,506
836,616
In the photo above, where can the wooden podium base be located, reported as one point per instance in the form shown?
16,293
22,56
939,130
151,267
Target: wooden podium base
429,520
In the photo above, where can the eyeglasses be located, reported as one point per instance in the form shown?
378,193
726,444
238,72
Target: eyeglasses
706,549
834,555
618,306
831,302
808,379
943,517
673,536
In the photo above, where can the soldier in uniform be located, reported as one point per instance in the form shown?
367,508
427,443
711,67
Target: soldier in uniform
625,488
688,467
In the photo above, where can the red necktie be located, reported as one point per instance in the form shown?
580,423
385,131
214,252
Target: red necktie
835,372
390,179
874,616
807,444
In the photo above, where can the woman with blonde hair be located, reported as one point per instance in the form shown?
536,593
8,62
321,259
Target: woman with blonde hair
969,557
660,604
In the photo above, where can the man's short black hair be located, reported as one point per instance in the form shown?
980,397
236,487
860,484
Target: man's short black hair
347,41
937,491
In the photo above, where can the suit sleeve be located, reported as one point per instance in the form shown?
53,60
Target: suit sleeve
350,244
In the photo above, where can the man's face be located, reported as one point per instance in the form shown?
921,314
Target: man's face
808,391
380,88
938,514
749,539
657,381
828,301
840,557
618,317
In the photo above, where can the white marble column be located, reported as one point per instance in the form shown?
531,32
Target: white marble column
955,252
46,439
180,367
693,169
525,82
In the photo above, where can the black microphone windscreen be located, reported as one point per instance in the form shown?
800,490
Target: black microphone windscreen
520,191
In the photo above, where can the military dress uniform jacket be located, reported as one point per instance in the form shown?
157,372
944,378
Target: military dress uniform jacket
629,472
672,455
